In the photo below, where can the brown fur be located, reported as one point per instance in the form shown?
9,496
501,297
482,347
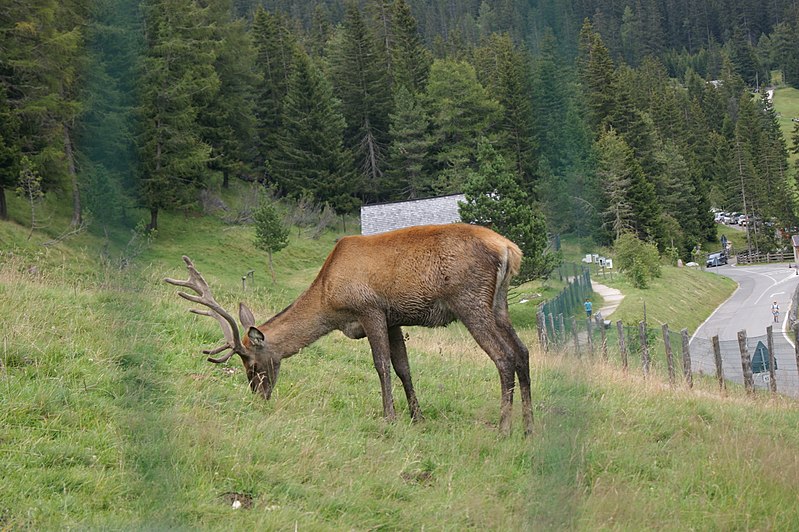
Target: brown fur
371,286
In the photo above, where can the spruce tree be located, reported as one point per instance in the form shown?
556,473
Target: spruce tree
177,70
596,75
271,234
9,152
411,60
275,47
506,73
227,122
462,112
410,146
311,158
495,200
362,84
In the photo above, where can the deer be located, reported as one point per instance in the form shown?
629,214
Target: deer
372,286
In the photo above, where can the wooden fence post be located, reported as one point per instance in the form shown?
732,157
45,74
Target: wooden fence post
562,329
669,356
686,359
541,326
574,334
746,363
552,326
644,347
601,325
590,334
623,345
772,378
719,368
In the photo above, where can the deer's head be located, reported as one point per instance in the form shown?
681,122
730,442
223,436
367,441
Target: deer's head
261,363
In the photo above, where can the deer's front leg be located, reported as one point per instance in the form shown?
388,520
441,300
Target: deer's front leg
377,333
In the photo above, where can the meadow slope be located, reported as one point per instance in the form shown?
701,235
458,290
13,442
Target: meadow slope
112,419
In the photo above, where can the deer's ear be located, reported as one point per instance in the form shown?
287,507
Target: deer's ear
246,316
257,338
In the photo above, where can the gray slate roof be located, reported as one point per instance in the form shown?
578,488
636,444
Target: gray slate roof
383,217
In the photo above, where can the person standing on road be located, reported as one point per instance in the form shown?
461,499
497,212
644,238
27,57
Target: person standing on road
588,308
775,311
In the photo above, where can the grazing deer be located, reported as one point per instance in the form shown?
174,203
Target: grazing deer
371,286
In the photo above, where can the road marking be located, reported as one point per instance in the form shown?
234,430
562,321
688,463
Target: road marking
773,283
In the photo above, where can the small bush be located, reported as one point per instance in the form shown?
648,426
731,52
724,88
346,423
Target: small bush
638,259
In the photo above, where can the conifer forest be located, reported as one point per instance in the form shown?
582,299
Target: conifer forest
603,117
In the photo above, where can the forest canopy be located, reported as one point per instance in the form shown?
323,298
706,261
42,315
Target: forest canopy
610,117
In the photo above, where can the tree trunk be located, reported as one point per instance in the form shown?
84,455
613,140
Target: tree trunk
271,267
3,205
225,178
77,216
153,219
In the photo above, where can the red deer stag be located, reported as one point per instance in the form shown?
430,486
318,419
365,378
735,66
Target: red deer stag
371,286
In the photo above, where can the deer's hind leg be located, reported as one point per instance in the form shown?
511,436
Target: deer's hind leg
522,365
399,359
490,337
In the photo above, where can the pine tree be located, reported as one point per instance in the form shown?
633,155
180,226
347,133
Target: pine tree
275,47
177,69
409,149
271,234
596,75
311,158
9,152
104,132
226,119
361,83
506,73
410,59
41,64
495,200
630,200
462,111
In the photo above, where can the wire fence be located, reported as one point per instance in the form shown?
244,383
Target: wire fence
578,288
757,362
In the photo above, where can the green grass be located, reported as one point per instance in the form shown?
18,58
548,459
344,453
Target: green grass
112,418
786,103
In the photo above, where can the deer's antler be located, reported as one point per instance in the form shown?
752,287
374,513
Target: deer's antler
229,326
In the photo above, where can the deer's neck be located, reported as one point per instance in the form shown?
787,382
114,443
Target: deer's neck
298,325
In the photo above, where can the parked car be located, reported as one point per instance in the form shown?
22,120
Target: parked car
718,258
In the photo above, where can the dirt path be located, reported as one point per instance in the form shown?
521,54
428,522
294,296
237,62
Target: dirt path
612,298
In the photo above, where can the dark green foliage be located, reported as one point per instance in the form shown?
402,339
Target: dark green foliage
206,95
310,154
409,149
638,259
462,111
361,82
506,73
596,74
9,152
410,59
227,121
275,47
178,78
271,234
495,200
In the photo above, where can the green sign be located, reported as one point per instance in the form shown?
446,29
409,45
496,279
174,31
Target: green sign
760,360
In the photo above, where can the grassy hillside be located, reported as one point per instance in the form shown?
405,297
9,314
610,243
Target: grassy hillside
113,419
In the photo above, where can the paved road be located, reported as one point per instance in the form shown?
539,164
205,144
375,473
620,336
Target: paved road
749,307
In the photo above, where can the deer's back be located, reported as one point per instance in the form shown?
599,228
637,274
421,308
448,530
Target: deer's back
414,274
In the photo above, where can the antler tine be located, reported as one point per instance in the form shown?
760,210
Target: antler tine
230,328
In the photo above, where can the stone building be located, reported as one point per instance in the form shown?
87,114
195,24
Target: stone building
382,217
